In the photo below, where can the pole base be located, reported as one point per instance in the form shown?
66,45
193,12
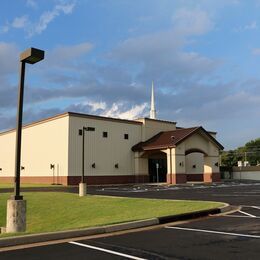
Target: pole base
16,216
16,197
82,189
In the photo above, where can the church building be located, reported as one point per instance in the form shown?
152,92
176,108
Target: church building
115,151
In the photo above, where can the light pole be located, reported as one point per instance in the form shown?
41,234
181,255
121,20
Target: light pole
16,206
82,184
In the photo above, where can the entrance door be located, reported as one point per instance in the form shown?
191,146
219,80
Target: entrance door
159,165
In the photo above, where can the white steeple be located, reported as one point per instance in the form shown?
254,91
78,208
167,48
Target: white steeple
152,111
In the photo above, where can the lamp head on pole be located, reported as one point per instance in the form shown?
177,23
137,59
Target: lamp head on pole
32,55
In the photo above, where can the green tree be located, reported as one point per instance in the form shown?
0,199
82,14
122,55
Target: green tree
249,152
252,150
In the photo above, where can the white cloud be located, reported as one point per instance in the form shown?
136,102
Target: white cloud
117,110
96,105
20,22
256,51
65,8
17,23
249,27
49,16
192,21
31,3
4,28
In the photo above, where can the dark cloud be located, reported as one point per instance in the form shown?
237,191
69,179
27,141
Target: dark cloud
8,58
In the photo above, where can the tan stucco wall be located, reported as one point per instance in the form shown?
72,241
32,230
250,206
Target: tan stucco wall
199,142
212,151
196,159
104,152
42,144
178,163
175,161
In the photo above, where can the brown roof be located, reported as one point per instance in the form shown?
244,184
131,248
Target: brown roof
171,138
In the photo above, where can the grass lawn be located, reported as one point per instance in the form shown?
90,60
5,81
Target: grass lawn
53,211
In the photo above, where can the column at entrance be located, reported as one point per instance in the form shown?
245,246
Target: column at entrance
211,169
140,168
176,172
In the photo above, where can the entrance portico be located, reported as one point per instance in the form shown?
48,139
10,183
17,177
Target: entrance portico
192,155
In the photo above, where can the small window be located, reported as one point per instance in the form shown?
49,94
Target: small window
126,136
105,134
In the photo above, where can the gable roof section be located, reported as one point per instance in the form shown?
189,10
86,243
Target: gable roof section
169,139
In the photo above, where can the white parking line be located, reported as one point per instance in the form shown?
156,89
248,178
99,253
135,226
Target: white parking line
238,216
106,250
248,206
214,232
245,213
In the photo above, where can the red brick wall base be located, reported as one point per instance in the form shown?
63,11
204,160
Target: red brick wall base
176,178
121,179
37,180
202,177
74,180
216,177
195,177
211,177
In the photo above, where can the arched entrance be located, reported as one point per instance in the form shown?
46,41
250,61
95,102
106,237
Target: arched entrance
194,161
157,167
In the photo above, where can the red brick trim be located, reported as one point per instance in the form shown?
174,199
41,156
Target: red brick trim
169,178
74,180
216,177
121,179
37,180
212,177
207,177
176,178
195,177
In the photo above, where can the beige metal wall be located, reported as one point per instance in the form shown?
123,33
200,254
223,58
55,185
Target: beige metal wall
152,127
42,144
104,152
7,149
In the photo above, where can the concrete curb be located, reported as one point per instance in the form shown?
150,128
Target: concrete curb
43,237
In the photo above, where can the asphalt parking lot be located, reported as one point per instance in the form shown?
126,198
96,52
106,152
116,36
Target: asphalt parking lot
234,193
232,236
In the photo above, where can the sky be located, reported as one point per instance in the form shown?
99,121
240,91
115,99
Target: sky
101,57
